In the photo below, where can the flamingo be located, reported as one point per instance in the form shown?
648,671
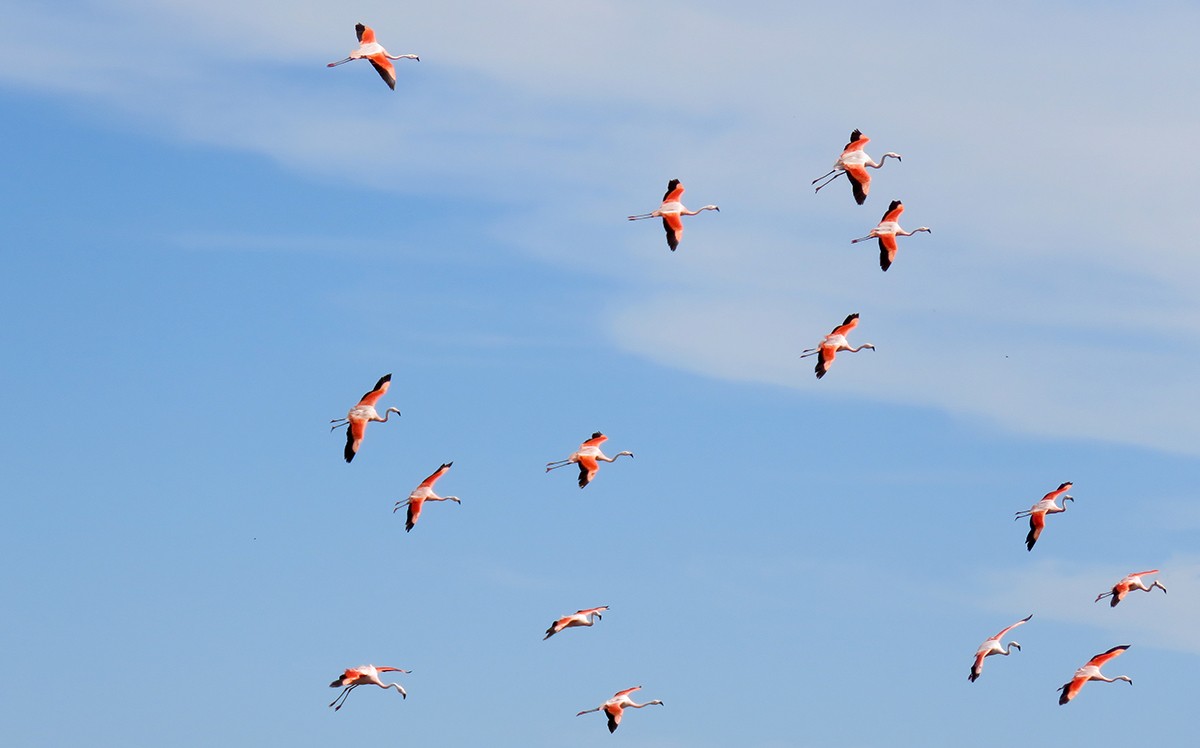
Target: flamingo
993,646
589,457
835,341
887,231
1130,582
423,493
853,163
360,415
364,675
615,706
670,212
1091,671
578,618
1037,513
373,51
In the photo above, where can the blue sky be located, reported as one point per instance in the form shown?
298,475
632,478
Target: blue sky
214,245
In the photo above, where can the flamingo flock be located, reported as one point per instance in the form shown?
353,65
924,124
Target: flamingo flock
854,163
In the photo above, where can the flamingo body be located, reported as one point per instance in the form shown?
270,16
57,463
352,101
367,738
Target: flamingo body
854,163
373,52
616,706
588,457
1129,583
835,341
887,231
992,646
586,617
1037,513
360,415
1090,672
422,493
364,675
671,211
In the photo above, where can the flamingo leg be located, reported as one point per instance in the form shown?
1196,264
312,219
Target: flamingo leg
339,62
342,697
830,181
818,179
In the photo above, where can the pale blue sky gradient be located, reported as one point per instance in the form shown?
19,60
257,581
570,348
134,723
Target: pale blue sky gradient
214,245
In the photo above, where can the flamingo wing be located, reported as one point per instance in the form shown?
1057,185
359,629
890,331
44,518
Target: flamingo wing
893,212
614,716
860,181
366,35
858,141
596,440
825,356
1071,690
1103,657
414,513
1004,631
1037,521
355,432
428,482
590,611
588,467
673,225
674,191
626,692
1063,488
977,666
887,251
847,325
385,68
381,388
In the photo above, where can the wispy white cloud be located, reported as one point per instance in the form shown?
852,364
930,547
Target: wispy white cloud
1054,296
1066,595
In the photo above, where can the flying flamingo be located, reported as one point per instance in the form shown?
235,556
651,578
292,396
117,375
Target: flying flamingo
589,457
423,493
373,51
579,618
887,231
1131,582
364,675
615,706
1091,671
853,163
835,341
1037,513
993,646
360,415
670,212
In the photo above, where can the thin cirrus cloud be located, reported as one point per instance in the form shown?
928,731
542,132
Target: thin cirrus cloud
1067,596
1054,279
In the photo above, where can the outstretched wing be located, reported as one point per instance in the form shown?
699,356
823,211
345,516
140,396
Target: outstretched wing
825,356
354,436
673,225
414,513
860,182
588,467
381,388
1103,657
1037,521
428,482
1010,628
385,68
674,191
887,251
